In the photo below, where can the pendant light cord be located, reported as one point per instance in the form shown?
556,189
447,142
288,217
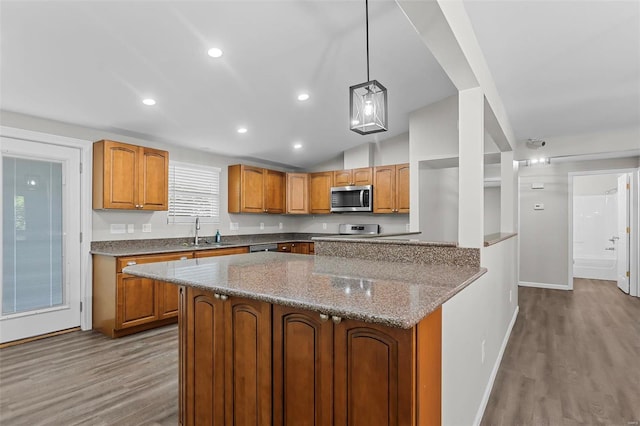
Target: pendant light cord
366,8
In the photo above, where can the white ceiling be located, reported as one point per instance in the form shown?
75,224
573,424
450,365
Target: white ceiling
560,68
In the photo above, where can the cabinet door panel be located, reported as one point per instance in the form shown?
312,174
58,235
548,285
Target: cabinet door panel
384,189
136,298
342,178
154,189
275,183
297,193
121,176
402,188
362,176
373,374
248,362
203,333
303,367
320,192
168,300
252,191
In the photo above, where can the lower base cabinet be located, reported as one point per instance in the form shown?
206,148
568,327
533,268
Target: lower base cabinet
303,368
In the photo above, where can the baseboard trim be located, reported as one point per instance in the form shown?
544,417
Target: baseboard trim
496,367
544,285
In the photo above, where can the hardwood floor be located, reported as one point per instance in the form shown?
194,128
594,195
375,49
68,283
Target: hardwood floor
573,358
85,378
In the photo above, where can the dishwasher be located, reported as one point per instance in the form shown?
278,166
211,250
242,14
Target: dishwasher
263,247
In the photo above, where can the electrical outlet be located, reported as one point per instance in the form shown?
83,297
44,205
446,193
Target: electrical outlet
234,226
261,225
146,227
538,206
130,228
483,342
280,225
324,226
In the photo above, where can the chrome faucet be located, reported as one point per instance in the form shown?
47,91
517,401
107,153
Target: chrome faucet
196,242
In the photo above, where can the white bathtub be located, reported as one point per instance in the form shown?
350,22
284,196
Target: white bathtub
595,268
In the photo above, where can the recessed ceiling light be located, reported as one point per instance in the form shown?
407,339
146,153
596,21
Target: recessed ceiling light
297,146
242,130
214,52
303,96
149,102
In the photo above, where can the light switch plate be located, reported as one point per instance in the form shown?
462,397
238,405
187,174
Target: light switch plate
261,225
538,206
130,228
233,226
146,227
280,225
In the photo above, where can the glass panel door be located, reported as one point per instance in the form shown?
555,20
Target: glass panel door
32,229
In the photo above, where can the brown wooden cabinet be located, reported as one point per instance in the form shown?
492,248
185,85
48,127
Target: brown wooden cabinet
391,189
220,252
298,247
168,300
256,190
225,360
129,177
297,193
320,192
353,177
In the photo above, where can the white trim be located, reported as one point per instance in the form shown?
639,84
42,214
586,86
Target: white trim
496,367
544,285
86,157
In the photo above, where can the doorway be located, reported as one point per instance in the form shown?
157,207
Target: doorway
601,218
41,230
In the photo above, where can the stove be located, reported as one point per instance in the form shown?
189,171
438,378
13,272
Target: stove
358,229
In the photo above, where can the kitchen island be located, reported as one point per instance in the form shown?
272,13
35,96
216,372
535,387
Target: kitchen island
273,338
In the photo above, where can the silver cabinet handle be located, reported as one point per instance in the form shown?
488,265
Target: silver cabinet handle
131,263
324,317
183,258
336,320
223,297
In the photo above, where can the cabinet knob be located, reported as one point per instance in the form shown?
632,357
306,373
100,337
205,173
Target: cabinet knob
336,320
131,263
293,245
223,297
324,317
183,258
216,295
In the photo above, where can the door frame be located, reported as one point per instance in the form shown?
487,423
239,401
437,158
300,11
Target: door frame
634,223
85,148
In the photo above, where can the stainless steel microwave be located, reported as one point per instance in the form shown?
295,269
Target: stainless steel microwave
352,198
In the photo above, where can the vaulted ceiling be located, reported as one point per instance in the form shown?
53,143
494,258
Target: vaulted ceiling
560,67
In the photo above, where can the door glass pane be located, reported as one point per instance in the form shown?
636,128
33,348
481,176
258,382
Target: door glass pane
32,229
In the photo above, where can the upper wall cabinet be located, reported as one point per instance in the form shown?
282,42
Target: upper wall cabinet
320,192
297,193
256,190
391,189
353,177
129,177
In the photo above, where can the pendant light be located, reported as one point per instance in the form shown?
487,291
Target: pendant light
368,101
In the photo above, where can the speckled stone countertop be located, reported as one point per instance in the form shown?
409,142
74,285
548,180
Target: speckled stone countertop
492,239
169,245
391,293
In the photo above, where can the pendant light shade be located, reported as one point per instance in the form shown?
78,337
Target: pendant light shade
368,106
368,101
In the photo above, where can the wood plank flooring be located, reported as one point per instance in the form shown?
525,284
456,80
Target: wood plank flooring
573,358
85,378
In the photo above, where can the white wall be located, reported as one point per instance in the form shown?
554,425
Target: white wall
392,151
439,204
544,234
484,311
491,209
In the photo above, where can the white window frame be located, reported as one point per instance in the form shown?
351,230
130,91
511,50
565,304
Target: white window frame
199,176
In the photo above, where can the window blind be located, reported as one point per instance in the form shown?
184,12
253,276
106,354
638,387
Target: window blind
194,191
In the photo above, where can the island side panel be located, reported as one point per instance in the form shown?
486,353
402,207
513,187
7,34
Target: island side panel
429,370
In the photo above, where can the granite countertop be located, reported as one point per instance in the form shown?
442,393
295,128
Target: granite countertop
390,293
171,245
384,239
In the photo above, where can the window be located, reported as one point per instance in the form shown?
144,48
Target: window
194,191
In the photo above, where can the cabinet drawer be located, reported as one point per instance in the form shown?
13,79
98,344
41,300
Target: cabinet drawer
139,260
221,252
